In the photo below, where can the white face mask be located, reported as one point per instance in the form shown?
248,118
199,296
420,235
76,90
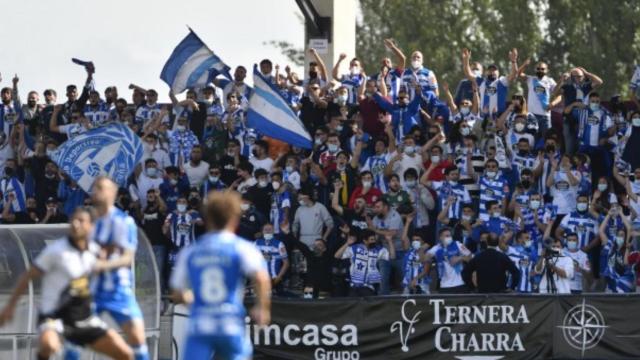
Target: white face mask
416,64
415,244
268,236
435,159
519,127
497,214
447,240
214,179
410,183
582,206
152,172
602,187
332,148
619,241
173,182
535,204
594,106
366,184
635,121
409,150
181,208
464,110
181,128
50,153
262,183
491,174
302,202
453,182
572,245
465,131
354,70
289,169
244,206
275,185
318,141
466,217
527,243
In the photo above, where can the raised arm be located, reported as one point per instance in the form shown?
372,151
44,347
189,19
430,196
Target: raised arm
335,197
53,121
318,59
466,68
449,98
595,79
400,58
513,58
336,67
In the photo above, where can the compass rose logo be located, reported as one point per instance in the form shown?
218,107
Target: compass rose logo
583,327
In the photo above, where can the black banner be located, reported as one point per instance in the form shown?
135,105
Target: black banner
452,327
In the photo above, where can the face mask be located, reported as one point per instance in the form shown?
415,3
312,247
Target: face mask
465,131
152,172
366,184
275,185
354,70
519,127
491,174
341,99
181,208
181,127
540,74
466,217
50,152
244,206
268,236
332,148
491,78
416,64
173,182
497,214
572,245
635,121
602,187
582,207
415,244
262,183
289,169
594,106
318,141
619,241
528,243
447,240
302,203
435,158
213,179
410,183
409,150
464,110
339,128
50,175
453,182
535,204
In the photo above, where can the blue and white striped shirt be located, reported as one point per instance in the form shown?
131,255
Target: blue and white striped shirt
585,226
182,227
491,190
274,254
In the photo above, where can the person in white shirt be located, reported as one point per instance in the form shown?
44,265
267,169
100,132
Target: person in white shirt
540,88
77,126
153,151
449,255
557,270
150,178
245,179
581,264
260,158
408,158
564,184
196,169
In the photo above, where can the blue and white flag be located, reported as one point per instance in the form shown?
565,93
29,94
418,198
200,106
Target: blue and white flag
112,151
192,64
270,114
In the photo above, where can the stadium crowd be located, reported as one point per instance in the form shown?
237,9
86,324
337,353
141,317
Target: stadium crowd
405,182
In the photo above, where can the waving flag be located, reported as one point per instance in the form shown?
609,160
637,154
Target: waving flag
192,64
270,114
112,150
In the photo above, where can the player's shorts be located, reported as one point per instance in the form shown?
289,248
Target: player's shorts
122,311
83,332
236,347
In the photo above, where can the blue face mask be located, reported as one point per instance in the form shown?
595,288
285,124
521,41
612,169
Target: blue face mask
594,106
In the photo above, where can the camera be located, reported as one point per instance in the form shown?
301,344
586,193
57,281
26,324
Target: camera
549,251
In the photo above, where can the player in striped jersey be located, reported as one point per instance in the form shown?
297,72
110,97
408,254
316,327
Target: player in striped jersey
525,255
179,227
470,161
96,111
10,108
616,249
275,255
451,194
580,222
237,86
378,162
534,216
116,232
523,159
150,109
417,73
493,88
351,81
493,187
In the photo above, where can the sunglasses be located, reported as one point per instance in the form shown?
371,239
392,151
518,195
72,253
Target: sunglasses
541,69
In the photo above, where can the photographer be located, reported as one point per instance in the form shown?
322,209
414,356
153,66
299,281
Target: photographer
555,268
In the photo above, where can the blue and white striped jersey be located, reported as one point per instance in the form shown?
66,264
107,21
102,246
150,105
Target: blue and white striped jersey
146,112
274,253
582,224
97,115
13,186
524,259
116,231
182,227
364,264
376,164
446,189
493,95
10,114
592,126
423,76
279,202
216,268
539,94
491,190
412,268
352,83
